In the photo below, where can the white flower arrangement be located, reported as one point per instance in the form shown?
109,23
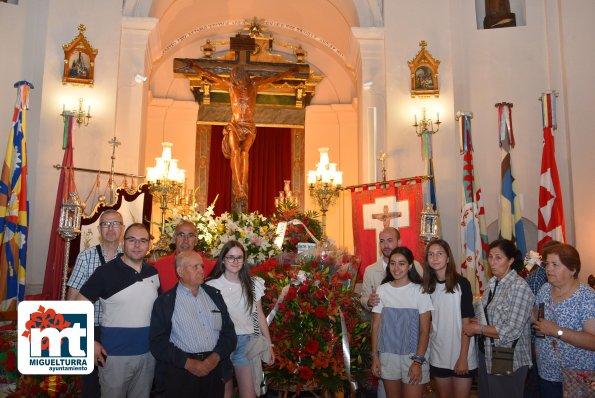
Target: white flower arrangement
253,230
206,225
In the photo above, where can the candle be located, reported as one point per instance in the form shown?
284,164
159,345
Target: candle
63,108
89,111
437,116
415,119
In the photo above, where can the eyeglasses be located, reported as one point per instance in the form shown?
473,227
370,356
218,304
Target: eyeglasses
113,224
133,241
232,259
182,235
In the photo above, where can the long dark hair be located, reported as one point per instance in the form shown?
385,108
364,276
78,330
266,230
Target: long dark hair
411,273
430,278
244,274
510,251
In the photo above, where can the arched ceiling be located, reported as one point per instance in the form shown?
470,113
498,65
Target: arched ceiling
322,27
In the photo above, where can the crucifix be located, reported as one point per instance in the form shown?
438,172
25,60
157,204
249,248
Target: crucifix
239,134
386,216
382,158
114,143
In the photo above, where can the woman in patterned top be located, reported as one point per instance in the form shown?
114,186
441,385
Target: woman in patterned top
568,323
241,293
508,302
453,360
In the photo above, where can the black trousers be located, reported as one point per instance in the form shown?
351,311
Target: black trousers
91,387
181,383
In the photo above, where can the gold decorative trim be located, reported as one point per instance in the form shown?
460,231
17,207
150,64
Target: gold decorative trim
424,73
79,60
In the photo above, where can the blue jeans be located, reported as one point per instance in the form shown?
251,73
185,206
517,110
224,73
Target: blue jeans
550,389
238,356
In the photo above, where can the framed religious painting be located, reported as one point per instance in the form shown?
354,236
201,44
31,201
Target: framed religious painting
424,73
79,60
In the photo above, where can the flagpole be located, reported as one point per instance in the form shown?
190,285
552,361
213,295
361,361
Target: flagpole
474,237
14,206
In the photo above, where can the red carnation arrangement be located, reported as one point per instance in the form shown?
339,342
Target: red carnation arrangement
306,330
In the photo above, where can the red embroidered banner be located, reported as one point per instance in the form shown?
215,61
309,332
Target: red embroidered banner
386,204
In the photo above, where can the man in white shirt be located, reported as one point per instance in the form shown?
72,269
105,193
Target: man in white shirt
388,239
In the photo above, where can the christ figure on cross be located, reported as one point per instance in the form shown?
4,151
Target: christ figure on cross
386,216
240,132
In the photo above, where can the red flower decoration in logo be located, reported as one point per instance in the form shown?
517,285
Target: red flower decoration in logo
43,319
305,373
312,346
320,312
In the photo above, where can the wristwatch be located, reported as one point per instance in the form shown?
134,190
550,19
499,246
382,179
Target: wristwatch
560,332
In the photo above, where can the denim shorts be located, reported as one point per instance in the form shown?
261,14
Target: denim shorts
238,356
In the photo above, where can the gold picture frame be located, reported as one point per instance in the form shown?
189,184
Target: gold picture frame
424,73
79,60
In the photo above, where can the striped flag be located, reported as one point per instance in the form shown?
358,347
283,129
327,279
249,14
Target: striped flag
429,187
511,225
14,208
52,284
474,235
550,217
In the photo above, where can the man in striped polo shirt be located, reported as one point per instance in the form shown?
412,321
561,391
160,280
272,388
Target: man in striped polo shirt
126,288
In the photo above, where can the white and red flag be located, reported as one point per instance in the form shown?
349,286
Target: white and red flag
550,224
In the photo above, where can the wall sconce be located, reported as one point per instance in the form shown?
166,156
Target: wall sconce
426,125
80,116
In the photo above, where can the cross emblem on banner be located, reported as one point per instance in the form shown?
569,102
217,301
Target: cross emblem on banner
387,210
386,216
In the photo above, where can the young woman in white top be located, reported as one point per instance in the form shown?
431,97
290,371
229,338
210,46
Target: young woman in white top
453,360
401,329
242,294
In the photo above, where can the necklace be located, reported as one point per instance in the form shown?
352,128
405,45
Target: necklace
564,293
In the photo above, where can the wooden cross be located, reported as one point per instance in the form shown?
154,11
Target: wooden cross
386,216
243,46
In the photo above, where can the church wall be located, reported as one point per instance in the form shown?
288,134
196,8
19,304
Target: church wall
335,127
578,57
172,121
478,69
37,31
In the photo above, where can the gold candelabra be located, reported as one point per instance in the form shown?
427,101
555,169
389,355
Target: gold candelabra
80,116
325,184
426,125
166,181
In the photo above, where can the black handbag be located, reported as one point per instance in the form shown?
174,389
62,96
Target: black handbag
502,360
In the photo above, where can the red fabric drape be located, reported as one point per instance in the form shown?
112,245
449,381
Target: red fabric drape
270,164
219,174
52,284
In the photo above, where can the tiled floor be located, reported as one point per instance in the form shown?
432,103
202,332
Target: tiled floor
361,394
